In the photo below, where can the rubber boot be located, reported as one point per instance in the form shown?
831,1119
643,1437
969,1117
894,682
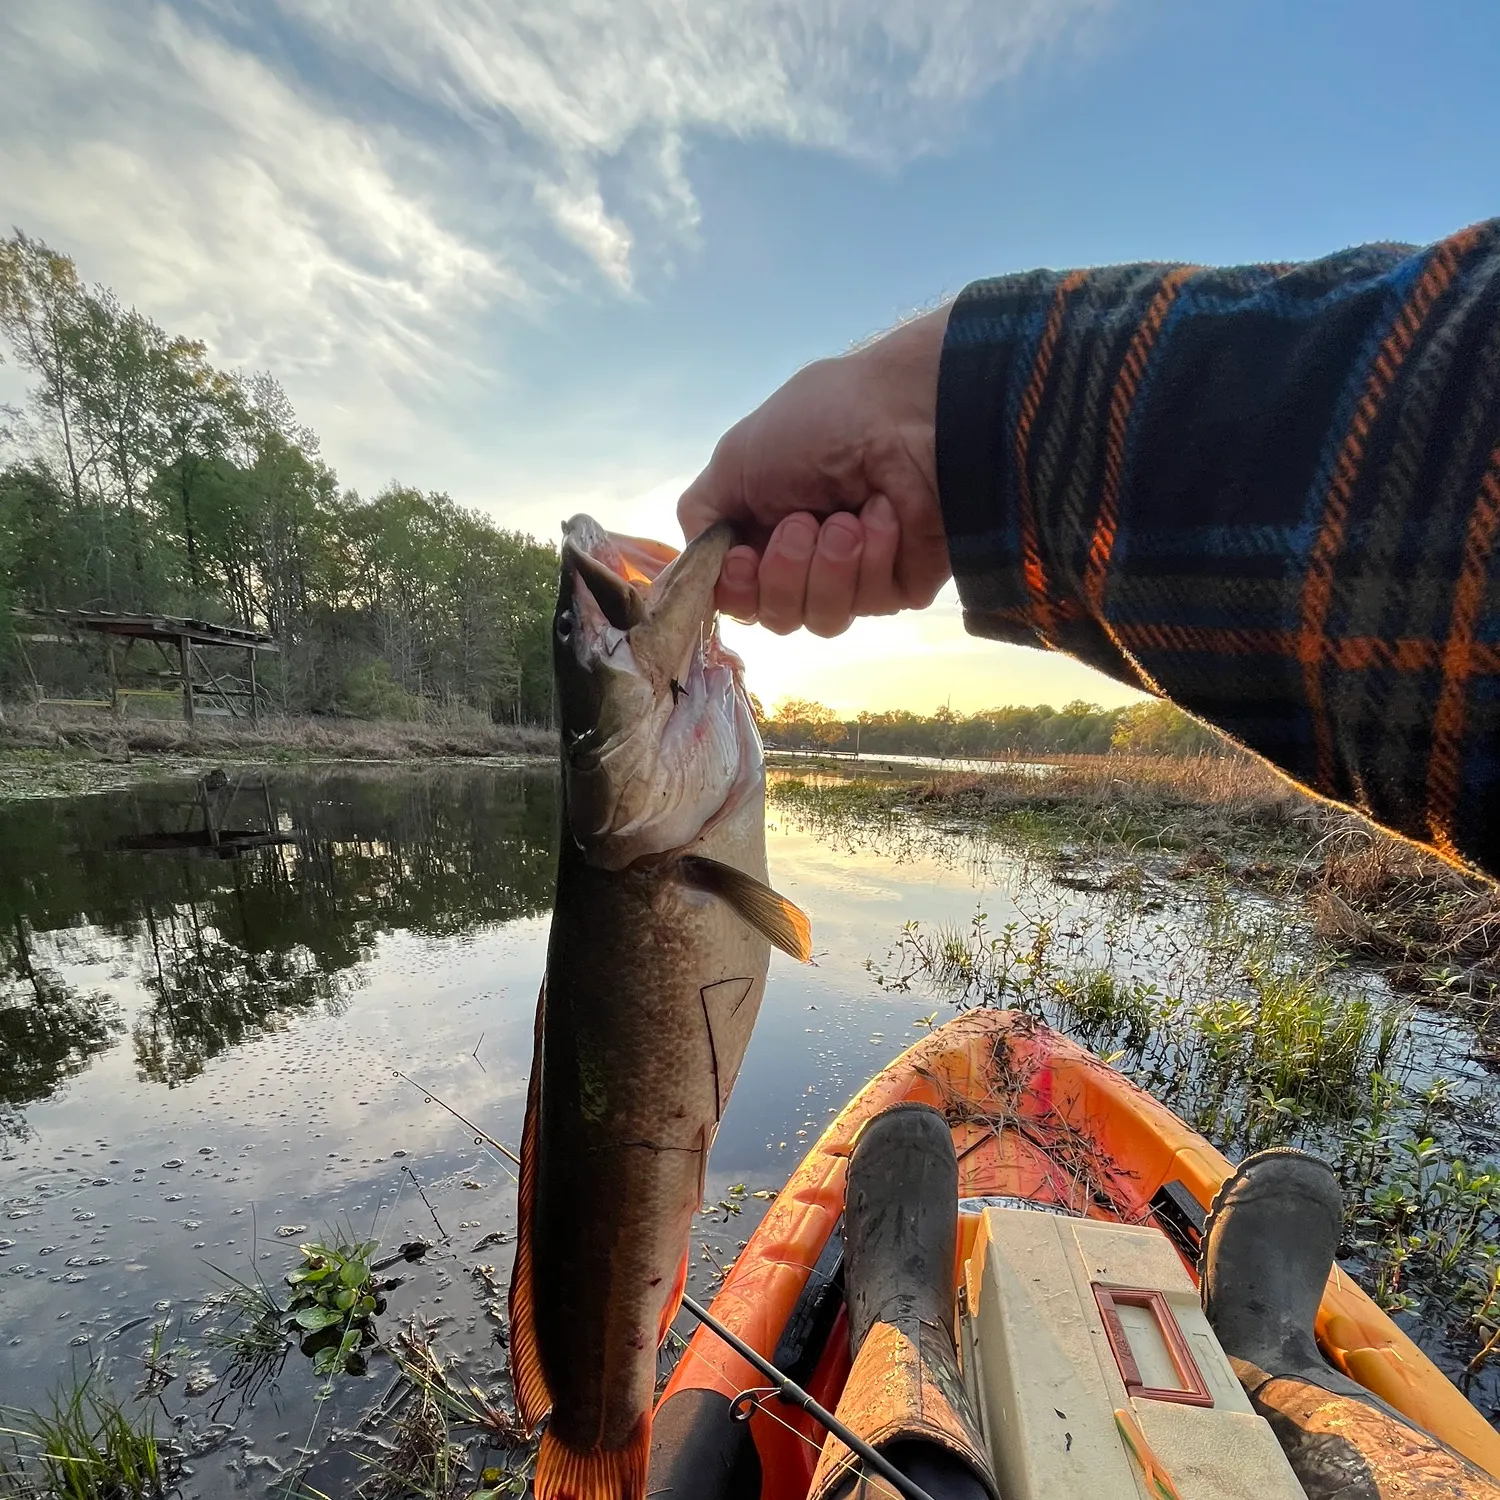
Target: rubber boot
1268,1250
904,1395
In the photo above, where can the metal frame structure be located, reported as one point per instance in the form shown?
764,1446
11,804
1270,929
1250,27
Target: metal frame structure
171,636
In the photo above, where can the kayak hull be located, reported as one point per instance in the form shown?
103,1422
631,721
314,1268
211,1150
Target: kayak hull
1034,1116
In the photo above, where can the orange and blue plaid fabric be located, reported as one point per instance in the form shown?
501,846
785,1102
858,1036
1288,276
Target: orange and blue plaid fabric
1268,493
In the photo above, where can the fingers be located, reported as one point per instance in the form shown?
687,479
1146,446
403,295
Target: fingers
877,593
833,576
784,569
739,583
818,576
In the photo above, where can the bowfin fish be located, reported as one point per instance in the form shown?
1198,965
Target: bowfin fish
656,963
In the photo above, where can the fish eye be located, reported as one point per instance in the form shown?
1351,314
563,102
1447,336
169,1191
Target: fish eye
565,624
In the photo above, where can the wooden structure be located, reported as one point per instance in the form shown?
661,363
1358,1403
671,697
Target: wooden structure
180,643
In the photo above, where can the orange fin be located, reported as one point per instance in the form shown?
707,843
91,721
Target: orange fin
674,1299
598,1474
533,1399
776,919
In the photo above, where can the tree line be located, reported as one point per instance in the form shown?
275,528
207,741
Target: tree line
137,477
1078,728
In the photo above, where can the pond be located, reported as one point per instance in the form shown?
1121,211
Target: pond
213,1053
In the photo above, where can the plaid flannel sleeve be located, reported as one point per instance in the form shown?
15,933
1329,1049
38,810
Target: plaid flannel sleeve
1269,493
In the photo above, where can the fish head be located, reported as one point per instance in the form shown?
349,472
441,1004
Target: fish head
658,740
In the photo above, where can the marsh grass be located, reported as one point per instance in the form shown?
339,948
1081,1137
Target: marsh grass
1431,930
1258,1039
31,735
85,1446
251,1330
418,1436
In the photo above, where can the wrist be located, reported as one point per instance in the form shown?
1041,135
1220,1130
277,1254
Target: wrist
906,360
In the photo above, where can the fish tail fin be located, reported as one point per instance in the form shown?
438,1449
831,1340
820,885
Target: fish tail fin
529,1380
562,1473
674,1299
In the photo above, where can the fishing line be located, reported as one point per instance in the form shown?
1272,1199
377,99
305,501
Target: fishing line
793,1393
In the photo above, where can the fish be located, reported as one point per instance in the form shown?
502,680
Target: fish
661,936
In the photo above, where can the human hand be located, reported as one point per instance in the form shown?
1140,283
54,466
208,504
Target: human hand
832,484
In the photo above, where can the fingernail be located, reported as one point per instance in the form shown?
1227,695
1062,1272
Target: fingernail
798,538
739,571
839,542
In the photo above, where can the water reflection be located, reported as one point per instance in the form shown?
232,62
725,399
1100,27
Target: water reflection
219,951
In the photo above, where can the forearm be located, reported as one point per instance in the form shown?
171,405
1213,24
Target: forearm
1269,494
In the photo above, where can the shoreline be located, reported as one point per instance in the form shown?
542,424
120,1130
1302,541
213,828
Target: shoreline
58,756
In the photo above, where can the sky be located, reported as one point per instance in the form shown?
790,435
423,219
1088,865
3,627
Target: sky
539,254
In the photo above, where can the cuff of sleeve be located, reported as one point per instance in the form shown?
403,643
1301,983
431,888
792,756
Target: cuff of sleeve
976,397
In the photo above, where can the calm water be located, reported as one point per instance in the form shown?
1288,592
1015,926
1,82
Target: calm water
198,1055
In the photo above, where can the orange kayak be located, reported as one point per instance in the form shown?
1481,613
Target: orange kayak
1035,1117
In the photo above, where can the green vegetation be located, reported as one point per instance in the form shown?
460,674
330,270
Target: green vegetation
139,477
334,1303
85,1447
1076,729
1252,958
1256,1036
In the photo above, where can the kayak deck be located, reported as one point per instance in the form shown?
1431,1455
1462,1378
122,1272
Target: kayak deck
1034,1116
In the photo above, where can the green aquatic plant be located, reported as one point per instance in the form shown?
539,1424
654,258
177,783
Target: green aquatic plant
334,1302
973,965
1293,1038
1098,1004
1428,1230
85,1446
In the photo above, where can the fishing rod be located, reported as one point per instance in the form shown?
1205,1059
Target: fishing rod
794,1395
784,1385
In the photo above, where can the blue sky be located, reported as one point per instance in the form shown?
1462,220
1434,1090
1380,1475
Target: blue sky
539,253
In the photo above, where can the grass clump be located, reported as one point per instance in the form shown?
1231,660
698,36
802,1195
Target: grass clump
1293,1039
85,1446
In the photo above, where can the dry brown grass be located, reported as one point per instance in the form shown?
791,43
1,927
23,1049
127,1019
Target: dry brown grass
1191,798
1384,900
1430,927
276,737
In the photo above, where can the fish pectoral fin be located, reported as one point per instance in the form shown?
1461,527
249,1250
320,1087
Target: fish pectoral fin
777,920
529,1380
564,1473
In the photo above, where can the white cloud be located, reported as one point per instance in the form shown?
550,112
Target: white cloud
340,189
573,86
219,196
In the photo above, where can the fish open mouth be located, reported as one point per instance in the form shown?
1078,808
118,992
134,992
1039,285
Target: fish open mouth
659,740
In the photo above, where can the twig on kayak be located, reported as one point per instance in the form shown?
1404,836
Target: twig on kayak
479,1135
794,1395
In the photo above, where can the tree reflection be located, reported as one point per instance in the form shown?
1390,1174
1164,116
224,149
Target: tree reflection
48,1029
224,951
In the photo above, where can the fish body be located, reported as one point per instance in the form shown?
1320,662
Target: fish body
656,964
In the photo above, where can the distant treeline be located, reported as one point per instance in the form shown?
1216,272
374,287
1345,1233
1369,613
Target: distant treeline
1152,728
140,478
